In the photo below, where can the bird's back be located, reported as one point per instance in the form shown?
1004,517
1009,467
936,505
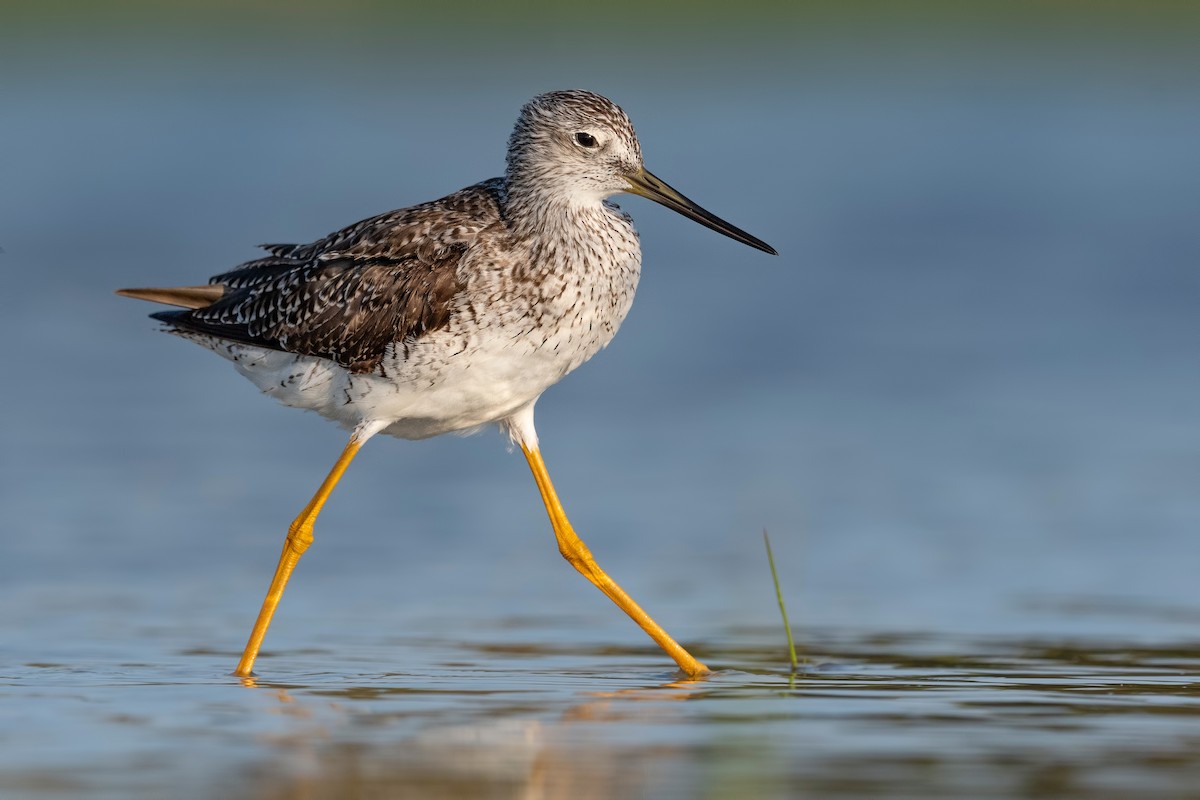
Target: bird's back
351,295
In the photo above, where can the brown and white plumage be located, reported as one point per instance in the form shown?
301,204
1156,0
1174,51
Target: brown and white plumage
451,314
349,296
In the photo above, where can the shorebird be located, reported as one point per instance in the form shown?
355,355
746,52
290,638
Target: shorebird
450,315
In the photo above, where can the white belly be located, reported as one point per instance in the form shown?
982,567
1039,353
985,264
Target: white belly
446,382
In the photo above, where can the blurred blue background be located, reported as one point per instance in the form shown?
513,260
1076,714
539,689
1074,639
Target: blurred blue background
963,398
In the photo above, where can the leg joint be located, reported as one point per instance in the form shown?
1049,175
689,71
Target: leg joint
300,535
579,557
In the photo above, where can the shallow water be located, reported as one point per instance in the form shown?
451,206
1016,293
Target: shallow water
963,400
493,712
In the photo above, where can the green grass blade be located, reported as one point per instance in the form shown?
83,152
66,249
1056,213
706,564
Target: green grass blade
782,609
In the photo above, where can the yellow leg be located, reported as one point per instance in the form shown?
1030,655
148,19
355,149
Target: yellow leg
576,552
298,539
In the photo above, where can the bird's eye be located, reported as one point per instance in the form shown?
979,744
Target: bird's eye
585,139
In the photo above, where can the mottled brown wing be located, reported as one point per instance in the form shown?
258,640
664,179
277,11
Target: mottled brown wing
345,311
419,231
347,297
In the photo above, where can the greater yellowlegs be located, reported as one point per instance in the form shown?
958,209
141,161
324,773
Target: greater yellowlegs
450,315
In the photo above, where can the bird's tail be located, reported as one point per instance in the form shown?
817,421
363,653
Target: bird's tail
182,296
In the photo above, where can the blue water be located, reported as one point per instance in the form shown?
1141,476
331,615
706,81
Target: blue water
963,400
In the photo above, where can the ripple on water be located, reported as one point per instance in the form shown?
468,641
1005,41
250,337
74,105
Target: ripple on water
868,715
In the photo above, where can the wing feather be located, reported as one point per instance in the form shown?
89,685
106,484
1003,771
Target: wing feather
348,297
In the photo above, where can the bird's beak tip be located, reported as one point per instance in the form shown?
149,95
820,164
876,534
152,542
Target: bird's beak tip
644,183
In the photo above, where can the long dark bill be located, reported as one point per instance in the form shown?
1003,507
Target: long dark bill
644,183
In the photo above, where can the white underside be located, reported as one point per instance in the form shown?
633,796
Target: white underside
439,386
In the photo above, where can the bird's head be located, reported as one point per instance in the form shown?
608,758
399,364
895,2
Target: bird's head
579,147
